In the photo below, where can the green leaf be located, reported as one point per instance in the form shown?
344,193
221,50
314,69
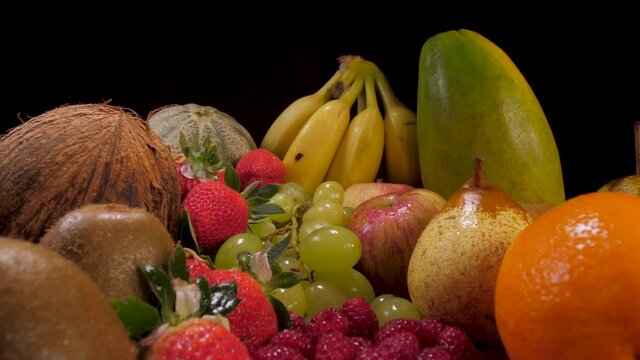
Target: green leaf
267,209
284,280
277,250
178,265
266,192
184,146
162,289
139,318
186,235
231,178
223,299
247,193
275,269
284,319
205,295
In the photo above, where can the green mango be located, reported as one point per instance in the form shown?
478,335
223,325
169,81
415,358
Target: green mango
474,102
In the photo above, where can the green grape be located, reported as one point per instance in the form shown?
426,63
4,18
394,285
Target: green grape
381,298
287,203
322,296
351,282
262,228
296,192
308,227
226,257
288,263
331,191
395,308
326,210
330,249
348,211
293,298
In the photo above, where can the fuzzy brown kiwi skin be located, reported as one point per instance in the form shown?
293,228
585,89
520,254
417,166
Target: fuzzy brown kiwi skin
50,309
110,242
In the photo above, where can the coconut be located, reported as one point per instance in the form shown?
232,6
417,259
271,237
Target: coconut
80,154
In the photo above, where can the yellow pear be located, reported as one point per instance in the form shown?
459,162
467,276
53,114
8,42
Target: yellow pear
454,266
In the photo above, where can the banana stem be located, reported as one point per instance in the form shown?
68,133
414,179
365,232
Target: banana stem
636,129
349,97
386,91
361,102
370,91
327,89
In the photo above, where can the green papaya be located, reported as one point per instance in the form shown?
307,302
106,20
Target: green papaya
474,102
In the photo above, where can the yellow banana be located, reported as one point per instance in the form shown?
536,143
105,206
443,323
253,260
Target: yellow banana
288,124
360,153
309,156
400,138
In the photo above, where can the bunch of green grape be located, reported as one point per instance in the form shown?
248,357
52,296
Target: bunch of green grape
322,250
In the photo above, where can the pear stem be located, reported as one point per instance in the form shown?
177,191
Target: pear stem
477,172
637,133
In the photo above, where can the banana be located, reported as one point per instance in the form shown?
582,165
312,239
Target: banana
288,124
400,138
360,153
312,150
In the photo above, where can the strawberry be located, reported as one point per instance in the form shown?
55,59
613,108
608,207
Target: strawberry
254,320
201,164
190,323
217,212
199,338
260,165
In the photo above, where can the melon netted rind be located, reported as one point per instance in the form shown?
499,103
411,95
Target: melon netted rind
80,154
230,137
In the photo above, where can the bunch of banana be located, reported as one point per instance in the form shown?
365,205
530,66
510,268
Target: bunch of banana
318,140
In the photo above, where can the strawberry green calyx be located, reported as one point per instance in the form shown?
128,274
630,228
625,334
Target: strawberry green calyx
202,162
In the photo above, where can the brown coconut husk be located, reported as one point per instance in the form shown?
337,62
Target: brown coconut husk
79,154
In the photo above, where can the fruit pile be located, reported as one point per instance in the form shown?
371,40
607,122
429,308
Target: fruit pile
183,240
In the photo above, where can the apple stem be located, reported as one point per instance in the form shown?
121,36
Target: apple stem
477,172
637,133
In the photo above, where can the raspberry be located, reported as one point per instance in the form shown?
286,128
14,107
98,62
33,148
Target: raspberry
360,342
325,320
395,326
402,345
433,353
334,345
428,332
276,352
457,343
362,319
297,322
375,353
293,339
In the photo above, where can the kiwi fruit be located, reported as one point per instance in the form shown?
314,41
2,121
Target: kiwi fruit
50,309
110,242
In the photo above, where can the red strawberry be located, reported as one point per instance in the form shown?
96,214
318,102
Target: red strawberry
196,268
217,212
187,180
254,321
196,339
260,165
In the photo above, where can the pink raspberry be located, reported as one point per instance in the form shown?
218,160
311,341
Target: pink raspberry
362,319
428,331
360,342
293,339
396,326
375,353
402,345
334,345
297,322
433,353
276,352
457,343
325,320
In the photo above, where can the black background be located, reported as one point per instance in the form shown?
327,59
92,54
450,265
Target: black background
583,69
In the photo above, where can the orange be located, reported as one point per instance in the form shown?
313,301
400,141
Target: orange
569,284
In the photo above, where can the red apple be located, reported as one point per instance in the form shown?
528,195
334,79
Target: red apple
389,227
357,193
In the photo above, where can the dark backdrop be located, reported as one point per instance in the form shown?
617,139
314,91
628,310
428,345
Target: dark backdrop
584,70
